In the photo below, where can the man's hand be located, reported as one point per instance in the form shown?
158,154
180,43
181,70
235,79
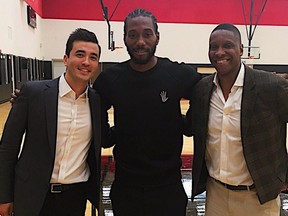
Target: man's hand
6,209
283,75
284,188
14,96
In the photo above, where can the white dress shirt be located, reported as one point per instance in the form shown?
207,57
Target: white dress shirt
224,154
74,134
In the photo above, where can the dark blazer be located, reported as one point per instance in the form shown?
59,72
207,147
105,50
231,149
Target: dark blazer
25,180
264,114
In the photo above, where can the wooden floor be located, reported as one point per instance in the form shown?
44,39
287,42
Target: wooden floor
4,111
5,108
187,149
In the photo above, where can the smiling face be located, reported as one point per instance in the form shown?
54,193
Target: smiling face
141,41
82,63
225,51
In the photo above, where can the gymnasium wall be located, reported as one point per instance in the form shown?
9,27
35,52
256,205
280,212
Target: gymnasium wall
16,36
181,42
36,5
171,11
184,27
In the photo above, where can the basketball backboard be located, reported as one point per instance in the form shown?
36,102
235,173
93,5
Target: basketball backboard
251,52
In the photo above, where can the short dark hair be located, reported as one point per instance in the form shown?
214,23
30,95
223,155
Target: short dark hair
81,34
228,27
144,13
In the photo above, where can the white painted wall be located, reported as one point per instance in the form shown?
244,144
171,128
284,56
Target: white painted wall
181,42
273,42
58,68
56,32
16,36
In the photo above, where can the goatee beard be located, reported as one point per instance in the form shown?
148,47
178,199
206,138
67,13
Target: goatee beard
143,61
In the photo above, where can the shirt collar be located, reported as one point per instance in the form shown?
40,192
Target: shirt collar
65,89
239,80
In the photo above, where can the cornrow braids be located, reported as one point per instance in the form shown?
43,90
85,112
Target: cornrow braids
141,12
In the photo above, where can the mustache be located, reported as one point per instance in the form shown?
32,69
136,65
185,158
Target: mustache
141,49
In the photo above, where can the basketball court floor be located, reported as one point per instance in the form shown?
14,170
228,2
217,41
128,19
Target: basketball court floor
195,208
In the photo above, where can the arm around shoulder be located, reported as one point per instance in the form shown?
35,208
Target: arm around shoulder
110,138
10,144
6,209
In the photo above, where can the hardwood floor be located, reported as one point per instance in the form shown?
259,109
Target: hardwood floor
193,207
187,149
4,111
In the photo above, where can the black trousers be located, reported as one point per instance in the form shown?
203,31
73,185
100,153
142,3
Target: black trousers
164,200
71,202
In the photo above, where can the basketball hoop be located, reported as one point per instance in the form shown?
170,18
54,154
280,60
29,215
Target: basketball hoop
249,60
251,52
111,42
